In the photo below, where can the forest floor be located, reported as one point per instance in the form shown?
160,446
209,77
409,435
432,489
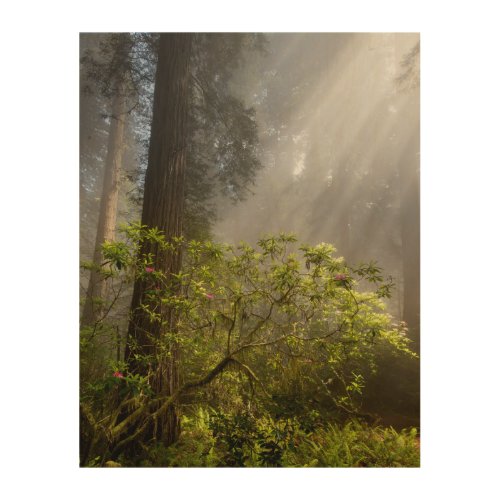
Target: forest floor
398,421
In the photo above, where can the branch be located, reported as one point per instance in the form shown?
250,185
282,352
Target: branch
233,323
209,377
251,375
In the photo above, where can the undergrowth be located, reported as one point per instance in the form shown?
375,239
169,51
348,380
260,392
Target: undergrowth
216,439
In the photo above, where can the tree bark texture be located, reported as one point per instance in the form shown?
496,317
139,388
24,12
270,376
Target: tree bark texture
163,209
96,291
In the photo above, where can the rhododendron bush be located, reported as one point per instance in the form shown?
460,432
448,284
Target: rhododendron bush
255,325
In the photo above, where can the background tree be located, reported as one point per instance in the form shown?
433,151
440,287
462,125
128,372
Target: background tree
409,184
109,68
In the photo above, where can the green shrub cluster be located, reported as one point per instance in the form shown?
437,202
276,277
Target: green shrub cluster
267,335
218,439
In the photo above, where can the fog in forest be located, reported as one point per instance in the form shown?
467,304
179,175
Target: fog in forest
229,138
338,118
345,121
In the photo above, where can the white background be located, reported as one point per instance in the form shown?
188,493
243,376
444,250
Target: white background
39,251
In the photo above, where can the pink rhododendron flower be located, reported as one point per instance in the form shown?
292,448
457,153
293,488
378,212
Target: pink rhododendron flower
209,296
340,277
118,374
149,269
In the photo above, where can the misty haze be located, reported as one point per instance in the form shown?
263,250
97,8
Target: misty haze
250,250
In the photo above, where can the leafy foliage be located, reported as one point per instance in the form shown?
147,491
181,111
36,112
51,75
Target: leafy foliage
218,439
279,321
223,152
357,445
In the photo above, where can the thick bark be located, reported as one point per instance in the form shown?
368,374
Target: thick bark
163,208
96,290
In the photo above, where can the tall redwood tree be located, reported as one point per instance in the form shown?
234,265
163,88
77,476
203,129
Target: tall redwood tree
163,209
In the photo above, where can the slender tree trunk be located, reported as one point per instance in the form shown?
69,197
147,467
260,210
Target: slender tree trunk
410,237
408,165
96,291
163,208
409,178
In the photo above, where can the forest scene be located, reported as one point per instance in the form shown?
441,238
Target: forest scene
249,250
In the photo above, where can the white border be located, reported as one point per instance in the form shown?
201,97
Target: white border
460,134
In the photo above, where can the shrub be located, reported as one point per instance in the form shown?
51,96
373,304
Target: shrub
195,447
292,316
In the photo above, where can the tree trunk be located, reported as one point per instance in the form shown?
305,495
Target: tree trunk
96,291
410,237
162,209
409,177
408,165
